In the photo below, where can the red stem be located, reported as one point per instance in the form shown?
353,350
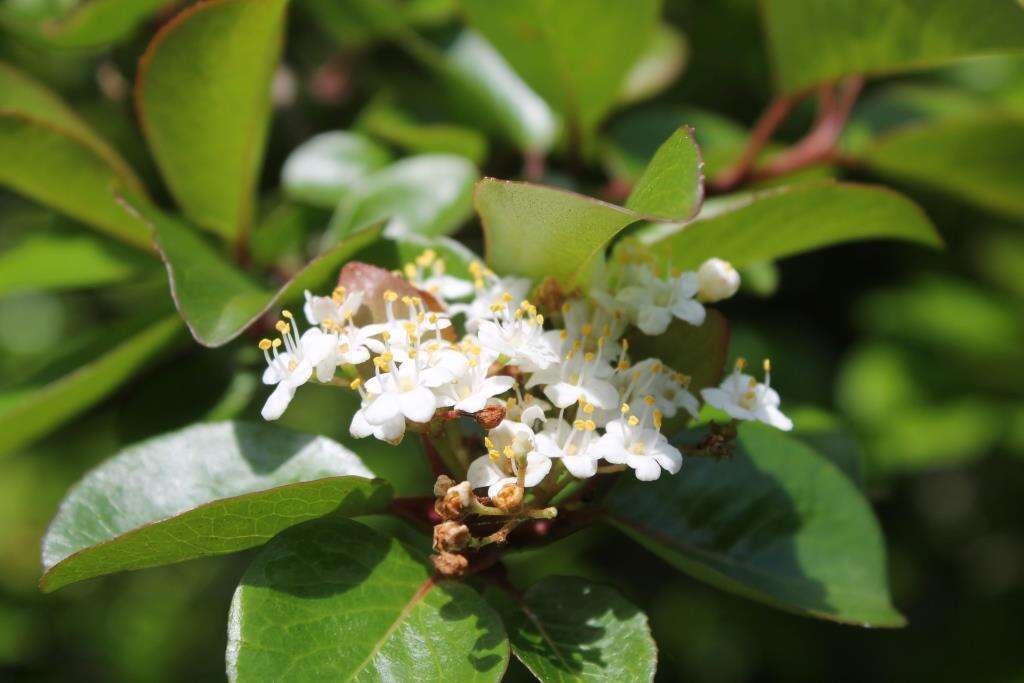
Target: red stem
777,112
433,457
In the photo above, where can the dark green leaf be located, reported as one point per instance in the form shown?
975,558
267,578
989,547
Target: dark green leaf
217,300
812,41
205,490
699,352
52,156
793,219
975,158
203,97
95,23
777,523
335,600
427,194
568,629
827,435
575,57
323,169
659,65
38,410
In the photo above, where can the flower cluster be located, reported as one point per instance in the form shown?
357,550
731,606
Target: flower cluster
561,397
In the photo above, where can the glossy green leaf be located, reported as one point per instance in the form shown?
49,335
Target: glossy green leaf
569,629
205,490
336,600
355,24
218,301
203,97
827,435
975,158
323,169
40,409
564,231
777,523
484,91
672,185
660,64
427,194
61,257
52,156
94,23
779,223
390,124
811,41
573,56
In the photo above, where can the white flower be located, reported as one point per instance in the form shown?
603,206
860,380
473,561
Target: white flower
573,445
405,389
509,445
651,377
471,387
335,309
629,441
744,398
654,302
517,334
349,345
427,273
579,376
390,431
291,368
489,289
718,280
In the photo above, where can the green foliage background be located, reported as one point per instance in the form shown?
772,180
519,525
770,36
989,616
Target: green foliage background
918,353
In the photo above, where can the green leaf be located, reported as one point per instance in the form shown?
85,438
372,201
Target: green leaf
427,194
699,352
569,629
777,523
205,490
323,169
827,435
672,185
563,231
811,41
39,410
660,64
355,24
975,158
573,56
203,97
394,126
95,23
62,257
334,599
218,301
52,156
793,219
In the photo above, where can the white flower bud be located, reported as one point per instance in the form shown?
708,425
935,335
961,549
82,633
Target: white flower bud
718,280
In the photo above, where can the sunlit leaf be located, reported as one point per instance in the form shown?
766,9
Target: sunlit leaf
323,169
203,97
205,490
659,65
395,127
335,599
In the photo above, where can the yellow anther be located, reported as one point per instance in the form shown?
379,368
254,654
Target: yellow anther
433,318
338,291
649,400
355,384
656,368
410,271
588,357
407,300
656,416
588,408
493,455
579,424
385,335
624,344
587,329
623,365
590,425
767,365
282,327
264,345
564,334
478,283
488,442
276,343
539,319
426,258
633,421
511,402
416,301
508,452
497,308
741,364
390,296
506,297
286,314
624,408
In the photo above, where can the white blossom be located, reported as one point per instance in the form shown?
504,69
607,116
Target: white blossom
510,444
573,445
636,443
470,386
517,334
291,368
489,289
718,280
653,302
744,398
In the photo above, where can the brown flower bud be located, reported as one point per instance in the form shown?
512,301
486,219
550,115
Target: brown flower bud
450,536
441,486
509,498
450,564
490,417
456,501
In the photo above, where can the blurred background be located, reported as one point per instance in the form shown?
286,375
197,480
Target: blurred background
910,362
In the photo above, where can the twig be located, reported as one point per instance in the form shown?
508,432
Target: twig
437,467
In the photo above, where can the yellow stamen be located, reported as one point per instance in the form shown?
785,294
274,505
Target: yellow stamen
265,344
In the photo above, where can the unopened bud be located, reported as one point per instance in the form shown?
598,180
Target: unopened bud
509,498
450,536
718,280
490,417
450,564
